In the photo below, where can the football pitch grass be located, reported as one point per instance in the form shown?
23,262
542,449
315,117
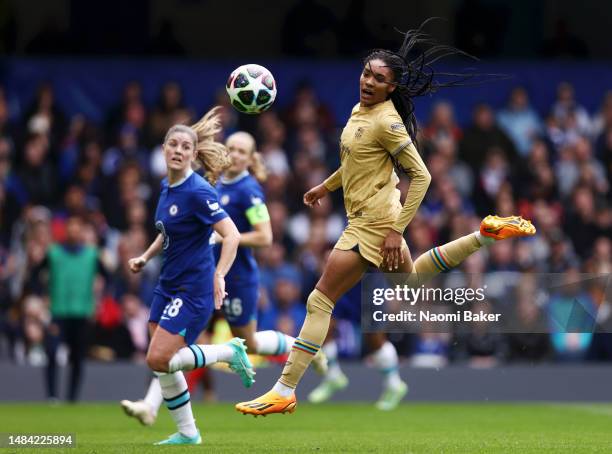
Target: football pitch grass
334,427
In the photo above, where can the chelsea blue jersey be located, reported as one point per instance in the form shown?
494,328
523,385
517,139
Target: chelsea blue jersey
243,200
184,216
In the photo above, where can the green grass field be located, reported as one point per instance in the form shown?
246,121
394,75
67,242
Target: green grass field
358,427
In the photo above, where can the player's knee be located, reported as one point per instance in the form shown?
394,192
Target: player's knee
319,302
157,361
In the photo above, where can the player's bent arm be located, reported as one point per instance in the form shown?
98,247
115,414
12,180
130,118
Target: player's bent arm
229,245
334,181
260,236
259,218
155,248
409,160
137,263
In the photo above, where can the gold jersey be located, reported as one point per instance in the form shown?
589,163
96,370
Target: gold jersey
371,138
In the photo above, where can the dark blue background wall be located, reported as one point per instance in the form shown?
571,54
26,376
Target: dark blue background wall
92,86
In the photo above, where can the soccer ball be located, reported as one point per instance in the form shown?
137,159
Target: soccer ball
251,88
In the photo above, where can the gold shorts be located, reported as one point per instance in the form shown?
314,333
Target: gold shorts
368,234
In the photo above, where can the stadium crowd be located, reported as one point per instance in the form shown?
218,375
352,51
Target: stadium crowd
554,168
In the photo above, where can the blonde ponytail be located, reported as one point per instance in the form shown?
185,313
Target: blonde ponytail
210,154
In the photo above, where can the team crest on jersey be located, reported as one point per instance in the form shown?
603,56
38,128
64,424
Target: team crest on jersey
225,198
173,210
359,132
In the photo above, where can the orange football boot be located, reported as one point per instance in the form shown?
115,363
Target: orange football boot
502,228
271,402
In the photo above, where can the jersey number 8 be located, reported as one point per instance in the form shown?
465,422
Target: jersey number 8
172,309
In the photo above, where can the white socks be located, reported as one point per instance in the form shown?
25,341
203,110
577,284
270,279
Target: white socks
154,396
195,356
176,396
333,366
273,342
283,390
386,361
484,240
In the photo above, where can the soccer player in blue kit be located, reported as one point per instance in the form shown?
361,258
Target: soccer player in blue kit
242,197
190,287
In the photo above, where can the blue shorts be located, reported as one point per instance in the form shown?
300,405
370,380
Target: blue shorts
181,313
240,305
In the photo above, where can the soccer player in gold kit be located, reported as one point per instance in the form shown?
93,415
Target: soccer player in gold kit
379,136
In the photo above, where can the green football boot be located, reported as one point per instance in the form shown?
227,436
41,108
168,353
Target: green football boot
180,439
328,388
391,397
240,362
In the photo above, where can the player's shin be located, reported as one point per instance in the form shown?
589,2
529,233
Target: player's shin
177,399
308,343
443,258
154,397
273,342
195,356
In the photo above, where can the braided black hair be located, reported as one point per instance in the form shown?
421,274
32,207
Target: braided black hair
414,74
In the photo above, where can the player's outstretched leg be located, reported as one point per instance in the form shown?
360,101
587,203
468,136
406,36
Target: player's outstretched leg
343,270
232,352
334,380
443,258
394,389
276,343
177,399
281,399
145,411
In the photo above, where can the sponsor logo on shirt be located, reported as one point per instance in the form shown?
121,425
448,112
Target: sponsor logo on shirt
397,126
344,150
214,208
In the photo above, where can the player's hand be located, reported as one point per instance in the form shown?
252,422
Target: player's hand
391,251
314,195
219,289
136,264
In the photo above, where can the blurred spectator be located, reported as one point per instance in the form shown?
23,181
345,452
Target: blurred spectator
442,124
44,117
307,108
36,175
568,112
458,171
6,128
170,110
117,115
580,223
272,137
107,173
127,149
72,268
520,121
482,135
